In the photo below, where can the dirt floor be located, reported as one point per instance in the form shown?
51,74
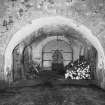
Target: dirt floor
53,95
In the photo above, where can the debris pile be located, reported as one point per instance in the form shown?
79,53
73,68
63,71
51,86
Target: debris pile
79,69
34,69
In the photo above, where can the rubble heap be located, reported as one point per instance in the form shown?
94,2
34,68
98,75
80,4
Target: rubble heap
79,69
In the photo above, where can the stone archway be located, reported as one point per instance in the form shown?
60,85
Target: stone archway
36,24
47,40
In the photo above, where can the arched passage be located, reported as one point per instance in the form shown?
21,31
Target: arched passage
36,24
62,45
38,49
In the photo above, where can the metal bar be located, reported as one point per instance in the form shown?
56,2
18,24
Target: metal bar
52,60
72,55
42,59
47,60
67,52
55,50
47,52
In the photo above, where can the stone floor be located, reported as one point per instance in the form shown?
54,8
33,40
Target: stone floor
53,95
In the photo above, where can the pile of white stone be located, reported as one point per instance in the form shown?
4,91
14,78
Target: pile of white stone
78,70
